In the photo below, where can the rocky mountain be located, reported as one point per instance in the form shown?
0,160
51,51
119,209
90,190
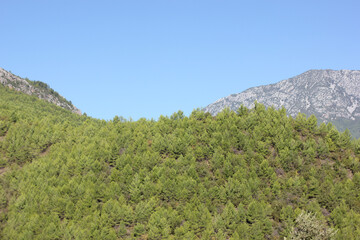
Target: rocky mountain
328,94
35,88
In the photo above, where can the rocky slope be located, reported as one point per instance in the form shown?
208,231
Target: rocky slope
35,88
328,94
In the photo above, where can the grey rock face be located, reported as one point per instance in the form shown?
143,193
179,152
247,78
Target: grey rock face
19,84
328,94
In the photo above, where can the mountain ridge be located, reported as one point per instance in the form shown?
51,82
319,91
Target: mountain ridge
35,88
331,95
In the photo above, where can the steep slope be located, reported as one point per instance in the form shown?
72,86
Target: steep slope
35,88
328,94
247,175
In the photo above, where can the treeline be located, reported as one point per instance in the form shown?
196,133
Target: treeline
48,90
250,174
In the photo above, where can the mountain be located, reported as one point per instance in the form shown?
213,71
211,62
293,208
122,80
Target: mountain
35,88
258,174
328,94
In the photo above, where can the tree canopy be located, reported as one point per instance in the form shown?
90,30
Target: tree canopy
250,174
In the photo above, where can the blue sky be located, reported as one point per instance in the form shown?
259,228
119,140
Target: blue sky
150,58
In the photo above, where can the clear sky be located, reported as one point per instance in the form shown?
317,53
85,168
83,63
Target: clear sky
150,58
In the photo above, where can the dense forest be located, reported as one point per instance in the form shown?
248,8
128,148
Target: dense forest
251,174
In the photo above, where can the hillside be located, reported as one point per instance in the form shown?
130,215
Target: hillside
35,88
251,174
332,96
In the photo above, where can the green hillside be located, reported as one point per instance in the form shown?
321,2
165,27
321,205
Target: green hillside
250,174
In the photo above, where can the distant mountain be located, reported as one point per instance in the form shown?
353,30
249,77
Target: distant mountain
328,94
35,88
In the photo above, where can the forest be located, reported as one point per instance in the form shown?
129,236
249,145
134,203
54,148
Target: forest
250,174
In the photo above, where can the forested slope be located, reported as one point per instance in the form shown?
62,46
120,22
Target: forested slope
250,174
